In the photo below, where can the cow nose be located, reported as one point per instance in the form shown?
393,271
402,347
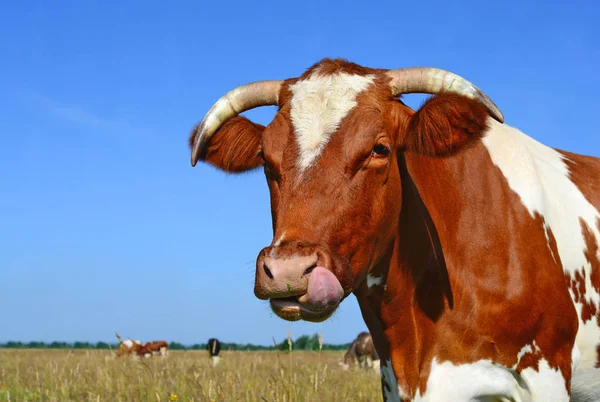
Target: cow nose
286,276
284,268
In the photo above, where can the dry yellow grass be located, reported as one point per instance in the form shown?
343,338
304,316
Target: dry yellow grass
58,375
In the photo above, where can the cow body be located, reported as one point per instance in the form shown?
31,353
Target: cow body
214,347
527,234
472,249
361,352
153,348
129,347
137,349
529,276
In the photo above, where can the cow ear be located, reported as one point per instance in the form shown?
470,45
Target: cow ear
235,147
445,124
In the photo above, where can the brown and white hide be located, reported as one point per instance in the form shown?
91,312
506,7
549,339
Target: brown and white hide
154,348
128,347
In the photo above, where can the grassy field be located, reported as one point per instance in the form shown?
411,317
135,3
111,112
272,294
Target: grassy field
59,375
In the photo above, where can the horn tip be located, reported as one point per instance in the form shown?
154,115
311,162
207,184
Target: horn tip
196,151
195,145
499,117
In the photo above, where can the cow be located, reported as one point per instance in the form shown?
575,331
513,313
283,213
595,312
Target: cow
362,352
214,347
472,248
154,348
128,347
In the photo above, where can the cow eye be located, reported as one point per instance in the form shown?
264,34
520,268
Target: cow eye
380,150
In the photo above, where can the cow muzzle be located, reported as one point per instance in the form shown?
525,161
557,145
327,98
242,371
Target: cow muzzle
298,286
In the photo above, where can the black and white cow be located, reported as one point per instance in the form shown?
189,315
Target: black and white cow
214,347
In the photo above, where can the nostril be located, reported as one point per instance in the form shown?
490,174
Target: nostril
267,271
309,269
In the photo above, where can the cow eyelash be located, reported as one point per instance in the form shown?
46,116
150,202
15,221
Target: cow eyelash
380,150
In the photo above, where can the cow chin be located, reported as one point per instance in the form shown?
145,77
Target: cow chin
290,309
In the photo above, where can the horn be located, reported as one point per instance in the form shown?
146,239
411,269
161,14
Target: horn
245,97
429,80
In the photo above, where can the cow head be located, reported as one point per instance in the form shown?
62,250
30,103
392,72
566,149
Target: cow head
331,159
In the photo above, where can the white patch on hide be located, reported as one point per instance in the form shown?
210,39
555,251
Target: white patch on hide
524,350
374,280
487,381
540,177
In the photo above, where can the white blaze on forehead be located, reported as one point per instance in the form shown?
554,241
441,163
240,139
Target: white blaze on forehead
318,105
540,177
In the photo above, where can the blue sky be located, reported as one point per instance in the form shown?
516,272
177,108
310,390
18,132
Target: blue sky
104,225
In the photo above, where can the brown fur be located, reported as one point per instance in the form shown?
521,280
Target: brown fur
360,349
152,348
125,350
137,349
591,252
458,253
585,173
329,66
589,310
445,124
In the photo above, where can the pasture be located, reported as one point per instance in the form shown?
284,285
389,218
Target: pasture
94,375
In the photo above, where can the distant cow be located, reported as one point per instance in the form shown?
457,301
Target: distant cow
214,347
153,348
362,352
128,347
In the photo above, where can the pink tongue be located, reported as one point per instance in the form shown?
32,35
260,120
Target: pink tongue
324,290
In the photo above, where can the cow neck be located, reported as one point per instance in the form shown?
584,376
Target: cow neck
413,295
407,310
431,299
